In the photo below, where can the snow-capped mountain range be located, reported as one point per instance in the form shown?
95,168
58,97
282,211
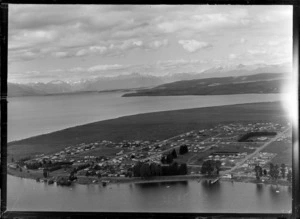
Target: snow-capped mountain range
139,80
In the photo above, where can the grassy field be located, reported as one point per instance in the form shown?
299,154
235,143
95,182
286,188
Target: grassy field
149,126
283,151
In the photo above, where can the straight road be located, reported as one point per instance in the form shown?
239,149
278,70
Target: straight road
171,148
152,145
256,152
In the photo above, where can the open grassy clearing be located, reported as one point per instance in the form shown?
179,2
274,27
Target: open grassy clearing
283,149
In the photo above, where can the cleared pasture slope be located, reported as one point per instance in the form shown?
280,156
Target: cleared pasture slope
148,126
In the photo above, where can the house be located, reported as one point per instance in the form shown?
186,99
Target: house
13,166
227,176
119,153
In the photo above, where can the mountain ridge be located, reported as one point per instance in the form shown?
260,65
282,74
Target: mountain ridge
137,80
257,83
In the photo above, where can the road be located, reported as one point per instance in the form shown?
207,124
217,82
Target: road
256,152
171,148
152,145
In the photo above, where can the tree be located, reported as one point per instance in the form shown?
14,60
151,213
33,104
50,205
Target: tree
163,159
174,154
158,170
258,171
145,170
136,169
282,169
218,165
72,177
276,171
271,171
169,158
265,172
208,167
165,171
153,169
174,169
183,149
129,174
45,173
289,176
183,169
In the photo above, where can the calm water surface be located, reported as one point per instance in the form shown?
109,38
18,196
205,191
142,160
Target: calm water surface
189,196
30,116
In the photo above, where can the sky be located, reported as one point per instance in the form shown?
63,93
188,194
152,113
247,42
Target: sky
78,42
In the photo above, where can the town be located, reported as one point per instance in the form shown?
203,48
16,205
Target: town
235,150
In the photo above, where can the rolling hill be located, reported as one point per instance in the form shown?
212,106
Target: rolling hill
258,83
140,80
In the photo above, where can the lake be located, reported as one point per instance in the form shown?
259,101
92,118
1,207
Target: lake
30,116
187,196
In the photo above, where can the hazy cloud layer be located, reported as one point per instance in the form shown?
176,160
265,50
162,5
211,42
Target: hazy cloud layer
106,38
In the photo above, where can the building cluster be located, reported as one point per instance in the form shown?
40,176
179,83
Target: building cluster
221,143
228,159
261,159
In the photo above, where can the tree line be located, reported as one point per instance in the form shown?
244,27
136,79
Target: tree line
255,134
275,172
50,166
154,169
211,167
168,159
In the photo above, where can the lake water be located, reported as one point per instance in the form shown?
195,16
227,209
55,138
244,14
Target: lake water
188,196
29,116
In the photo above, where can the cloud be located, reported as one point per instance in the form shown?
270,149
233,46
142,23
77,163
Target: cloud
257,51
180,65
243,40
116,49
58,70
98,49
78,73
137,43
193,45
24,55
92,50
276,14
81,52
273,43
80,26
39,32
232,56
61,54
105,67
158,43
77,69
200,21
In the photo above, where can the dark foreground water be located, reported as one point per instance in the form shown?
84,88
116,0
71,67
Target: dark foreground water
188,196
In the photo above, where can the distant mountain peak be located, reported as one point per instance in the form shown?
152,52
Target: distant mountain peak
56,82
241,66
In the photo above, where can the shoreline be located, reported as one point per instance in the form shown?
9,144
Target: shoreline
83,180
261,112
141,127
16,141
